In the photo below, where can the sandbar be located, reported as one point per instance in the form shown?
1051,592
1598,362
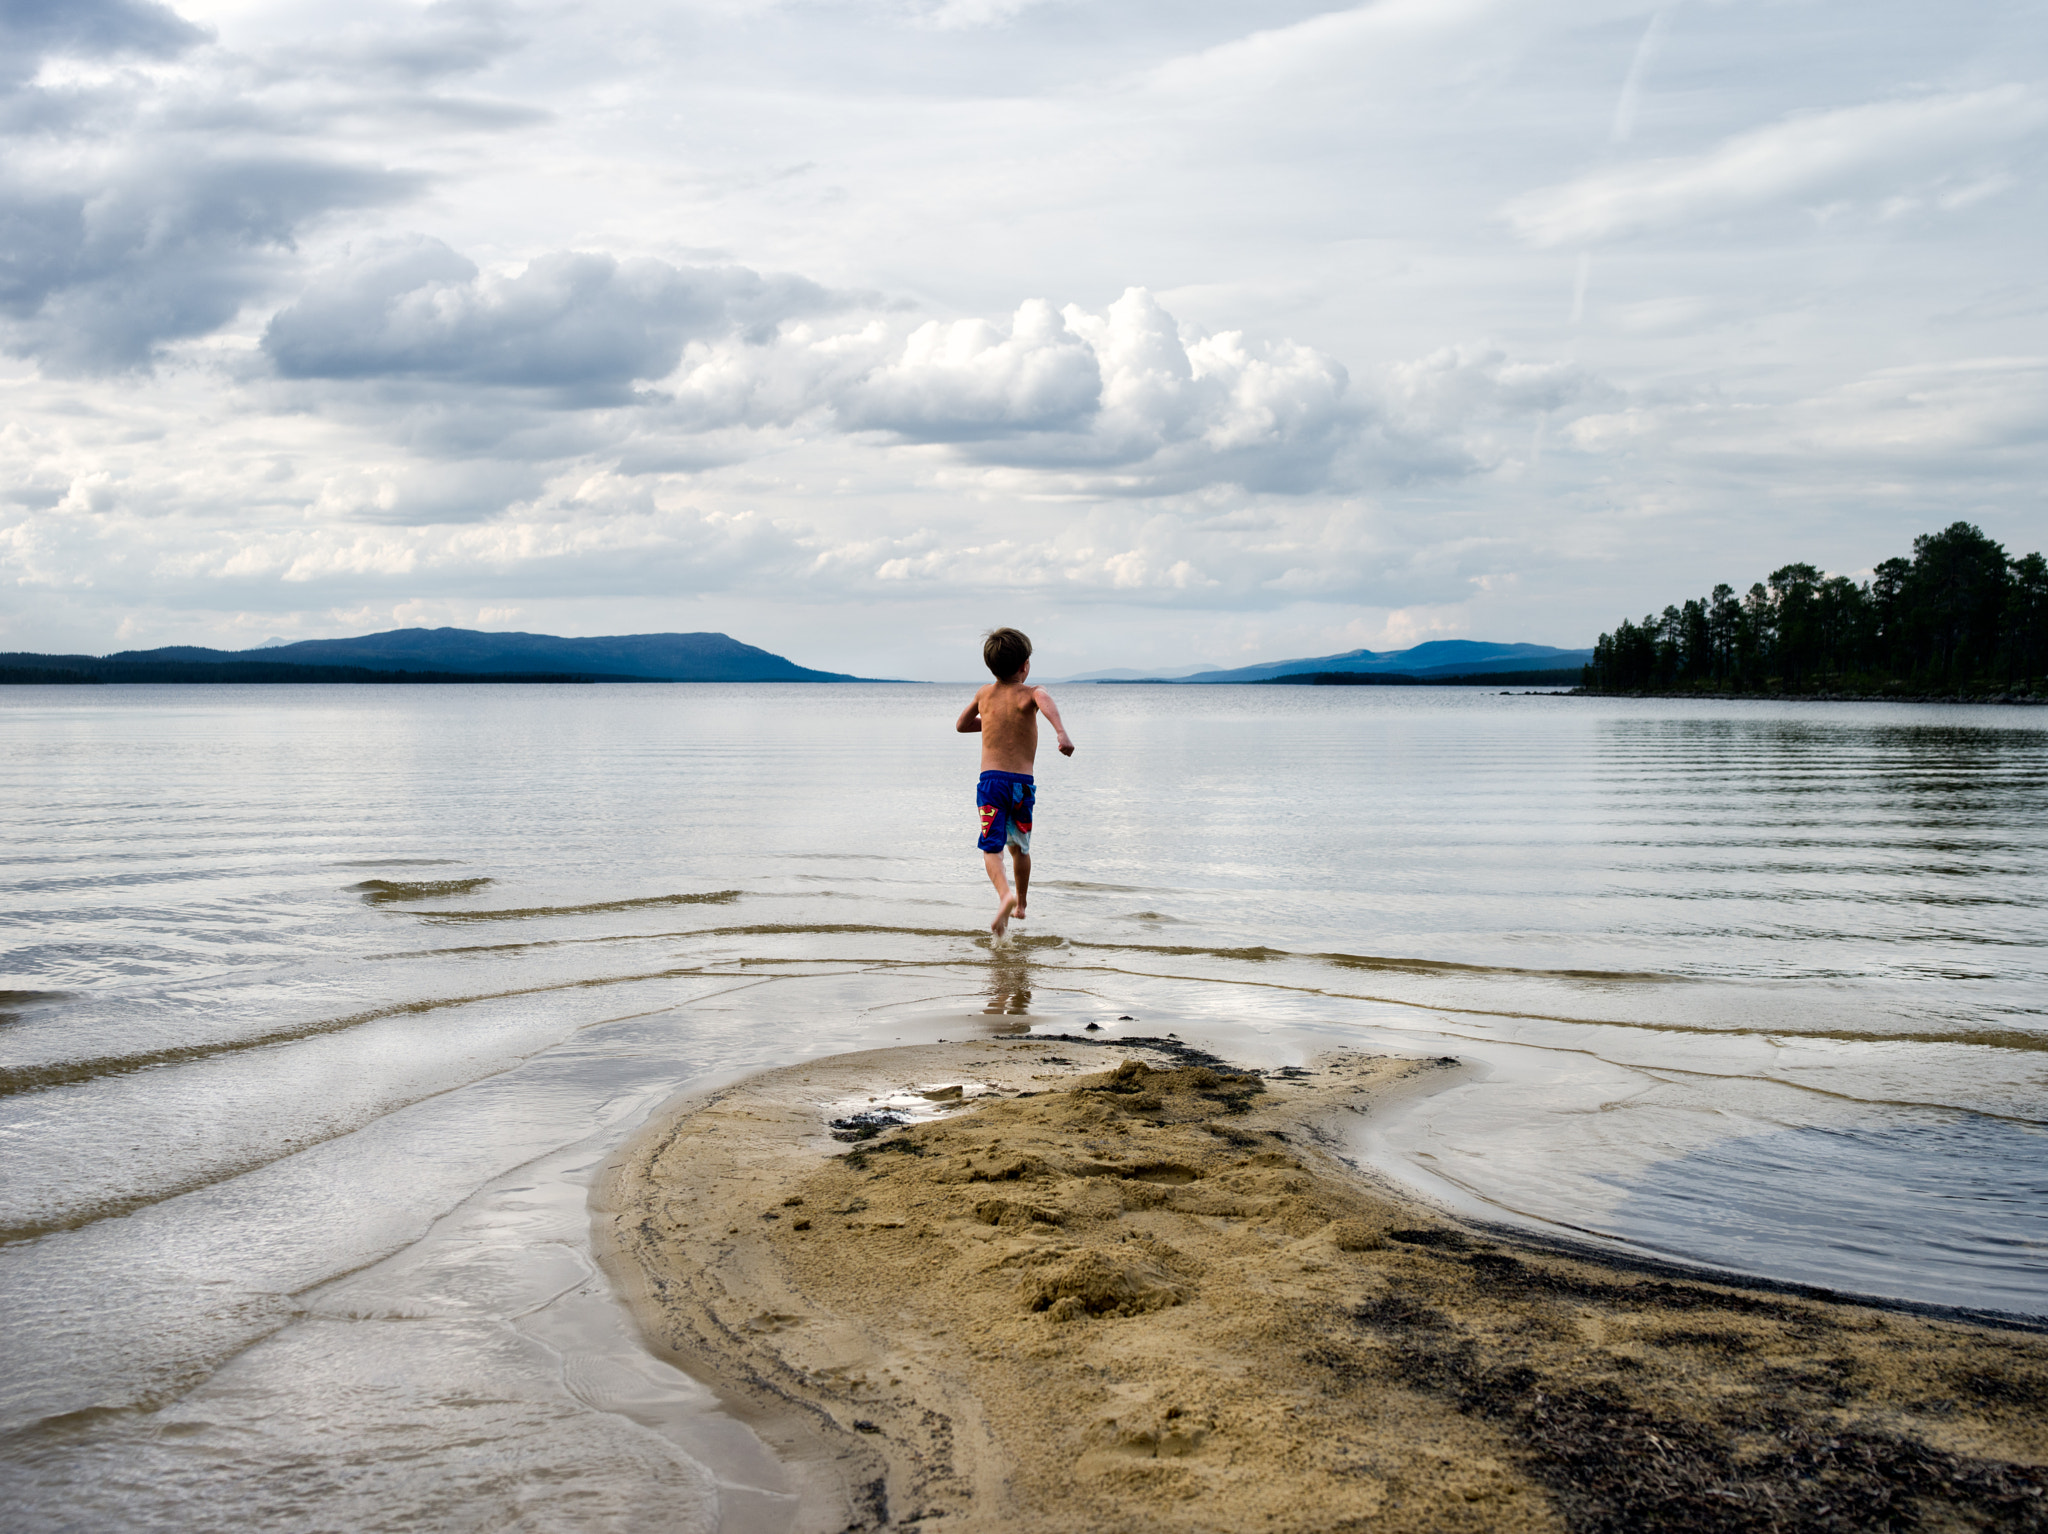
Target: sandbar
1134,1289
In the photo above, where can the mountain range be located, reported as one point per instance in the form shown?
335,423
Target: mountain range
1436,658
450,652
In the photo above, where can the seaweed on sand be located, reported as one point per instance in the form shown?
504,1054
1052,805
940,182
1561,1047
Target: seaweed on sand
1618,1466
856,1127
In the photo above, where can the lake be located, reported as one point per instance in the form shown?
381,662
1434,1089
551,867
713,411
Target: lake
320,1006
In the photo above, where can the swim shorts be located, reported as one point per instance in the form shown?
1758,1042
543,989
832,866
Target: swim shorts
1005,800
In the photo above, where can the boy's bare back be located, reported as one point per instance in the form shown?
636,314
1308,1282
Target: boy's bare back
1009,726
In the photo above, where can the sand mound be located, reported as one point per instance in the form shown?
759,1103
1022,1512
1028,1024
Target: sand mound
1148,1298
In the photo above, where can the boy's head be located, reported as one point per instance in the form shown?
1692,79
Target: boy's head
1004,652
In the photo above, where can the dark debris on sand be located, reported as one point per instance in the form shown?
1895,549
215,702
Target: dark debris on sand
1781,1462
856,1127
1174,1049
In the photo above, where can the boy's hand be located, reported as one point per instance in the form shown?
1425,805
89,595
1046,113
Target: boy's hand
1066,746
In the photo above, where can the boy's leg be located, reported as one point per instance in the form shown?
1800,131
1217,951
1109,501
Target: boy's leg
1007,902
1023,861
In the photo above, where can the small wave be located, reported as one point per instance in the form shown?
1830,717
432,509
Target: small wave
12,1003
18,1079
113,1208
1975,1038
386,891
1445,966
397,863
756,929
1259,954
524,913
826,929
1255,954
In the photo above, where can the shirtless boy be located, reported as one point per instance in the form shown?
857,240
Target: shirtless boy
1005,715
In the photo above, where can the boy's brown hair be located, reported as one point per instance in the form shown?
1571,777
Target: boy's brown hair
1004,652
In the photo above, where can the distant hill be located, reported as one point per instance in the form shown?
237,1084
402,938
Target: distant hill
1565,676
446,654
1437,658
644,657
73,670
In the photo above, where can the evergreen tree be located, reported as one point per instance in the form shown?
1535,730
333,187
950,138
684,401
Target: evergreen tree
1957,600
2024,633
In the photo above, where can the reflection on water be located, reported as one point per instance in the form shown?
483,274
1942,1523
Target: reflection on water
297,1147
1009,979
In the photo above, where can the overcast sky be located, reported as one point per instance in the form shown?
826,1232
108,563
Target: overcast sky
1169,330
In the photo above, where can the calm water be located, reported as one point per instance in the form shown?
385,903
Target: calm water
293,1230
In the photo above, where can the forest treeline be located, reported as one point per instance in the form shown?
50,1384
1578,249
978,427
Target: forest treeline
1960,617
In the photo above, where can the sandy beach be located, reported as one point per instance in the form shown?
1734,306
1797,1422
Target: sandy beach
1129,1288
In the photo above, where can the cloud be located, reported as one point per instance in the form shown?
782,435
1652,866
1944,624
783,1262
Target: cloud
1114,403
449,37
965,15
968,381
590,534
639,363
1980,417
416,494
585,325
1456,390
1853,152
142,206
101,265
1333,47
1209,552
32,30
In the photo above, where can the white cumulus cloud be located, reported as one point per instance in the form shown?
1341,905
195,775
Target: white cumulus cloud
968,379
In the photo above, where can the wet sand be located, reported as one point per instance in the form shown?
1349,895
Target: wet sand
1131,1289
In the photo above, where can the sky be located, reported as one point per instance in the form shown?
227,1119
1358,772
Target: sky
1176,332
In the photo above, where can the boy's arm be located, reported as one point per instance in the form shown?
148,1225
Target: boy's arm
1052,714
969,722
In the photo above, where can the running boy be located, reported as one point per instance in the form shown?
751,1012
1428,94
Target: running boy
1005,715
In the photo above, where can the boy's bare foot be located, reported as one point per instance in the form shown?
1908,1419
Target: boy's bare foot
1019,913
1003,913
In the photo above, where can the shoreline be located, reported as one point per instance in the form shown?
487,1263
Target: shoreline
1608,1253
1156,1297
2016,700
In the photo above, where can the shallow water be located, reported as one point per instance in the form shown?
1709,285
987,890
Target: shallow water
319,1007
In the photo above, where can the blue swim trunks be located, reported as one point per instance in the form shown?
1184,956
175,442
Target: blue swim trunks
1005,800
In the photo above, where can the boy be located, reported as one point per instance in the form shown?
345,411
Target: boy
1005,715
